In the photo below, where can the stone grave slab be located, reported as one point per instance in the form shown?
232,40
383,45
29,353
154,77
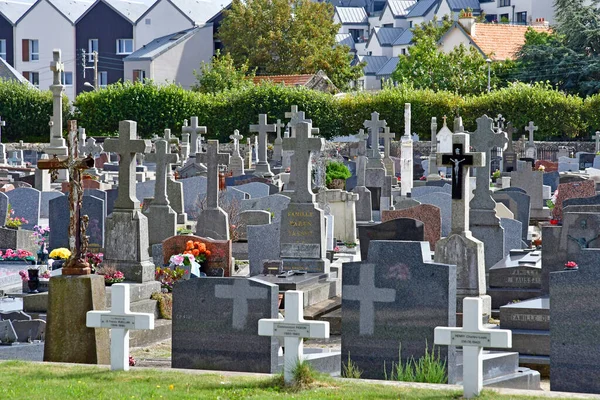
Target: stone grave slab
15,316
254,189
512,234
7,332
220,250
26,204
400,229
58,221
45,202
263,244
28,331
426,213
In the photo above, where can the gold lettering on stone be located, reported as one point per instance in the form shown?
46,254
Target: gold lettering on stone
530,318
300,223
306,214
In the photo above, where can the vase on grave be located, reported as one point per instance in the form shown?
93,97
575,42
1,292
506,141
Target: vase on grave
34,280
42,254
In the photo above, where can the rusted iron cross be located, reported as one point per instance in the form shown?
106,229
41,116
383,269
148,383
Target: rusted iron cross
76,264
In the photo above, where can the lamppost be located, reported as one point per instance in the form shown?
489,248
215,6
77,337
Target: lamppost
489,63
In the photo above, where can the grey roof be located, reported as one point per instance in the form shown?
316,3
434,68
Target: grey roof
71,9
200,11
458,5
388,67
374,63
352,15
13,10
9,73
130,10
158,46
405,39
349,3
345,38
422,8
387,36
400,8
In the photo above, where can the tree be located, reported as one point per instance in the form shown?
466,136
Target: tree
287,37
221,74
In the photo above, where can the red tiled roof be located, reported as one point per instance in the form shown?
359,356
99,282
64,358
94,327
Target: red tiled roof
501,42
287,80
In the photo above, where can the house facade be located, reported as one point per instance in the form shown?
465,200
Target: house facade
10,12
518,11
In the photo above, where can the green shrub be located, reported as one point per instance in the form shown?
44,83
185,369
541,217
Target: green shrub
27,112
336,170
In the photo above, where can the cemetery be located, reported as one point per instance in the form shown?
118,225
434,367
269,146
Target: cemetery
357,257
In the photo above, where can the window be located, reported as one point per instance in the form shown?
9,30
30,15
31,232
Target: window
522,17
124,46
504,18
3,48
32,77
410,24
491,17
102,78
403,52
34,50
361,85
139,75
92,47
503,3
357,35
67,78
148,21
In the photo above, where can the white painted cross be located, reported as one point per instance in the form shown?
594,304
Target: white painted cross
473,337
367,294
196,131
596,137
119,320
531,128
293,328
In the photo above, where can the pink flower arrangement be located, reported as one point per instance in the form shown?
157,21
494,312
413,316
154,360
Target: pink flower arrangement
24,275
571,265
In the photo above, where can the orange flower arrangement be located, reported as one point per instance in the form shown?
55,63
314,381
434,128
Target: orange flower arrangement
198,250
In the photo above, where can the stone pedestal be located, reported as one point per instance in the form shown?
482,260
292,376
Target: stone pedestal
67,337
236,165
127,247
213,223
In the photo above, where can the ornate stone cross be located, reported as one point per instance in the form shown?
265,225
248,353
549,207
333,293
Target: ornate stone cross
236,137
531,128
57,67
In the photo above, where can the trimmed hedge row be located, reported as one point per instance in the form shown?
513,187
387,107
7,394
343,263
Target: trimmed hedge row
155,108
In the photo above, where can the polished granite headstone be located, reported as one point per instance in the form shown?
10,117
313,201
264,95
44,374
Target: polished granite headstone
396,229
215,325
517,277
384,306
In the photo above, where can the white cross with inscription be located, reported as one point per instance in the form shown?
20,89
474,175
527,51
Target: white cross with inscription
531,128
196,132
473,337
596,137
293,328
120,321
373,125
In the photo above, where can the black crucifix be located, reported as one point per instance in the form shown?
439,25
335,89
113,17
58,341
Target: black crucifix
76,264
457,160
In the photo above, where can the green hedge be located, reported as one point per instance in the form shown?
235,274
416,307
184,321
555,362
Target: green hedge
155,108
27,112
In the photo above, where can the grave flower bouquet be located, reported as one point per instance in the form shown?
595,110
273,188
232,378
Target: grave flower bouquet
111,275
168,276
12,221
60,254
40,234
198,250
94,259
571,265
17,255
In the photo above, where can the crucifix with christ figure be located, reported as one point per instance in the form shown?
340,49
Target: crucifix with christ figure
76,264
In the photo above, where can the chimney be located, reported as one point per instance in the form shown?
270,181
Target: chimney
468,22
541,22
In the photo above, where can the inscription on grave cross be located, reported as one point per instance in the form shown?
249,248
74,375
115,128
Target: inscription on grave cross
212,158
196,133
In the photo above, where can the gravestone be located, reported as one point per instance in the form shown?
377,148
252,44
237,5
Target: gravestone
220,251
276,204
443,201
384,310
509,156
26,204
222,334
236,163
7,332
512,234
428,214
400,229
423,190
532,182
278,143
58,222
387,137
255,189
552,179
517,277
364,204
531,150
3,207
444,139
28,331
195,132
249,218
570,191
263,244
262,166
406,148
519,204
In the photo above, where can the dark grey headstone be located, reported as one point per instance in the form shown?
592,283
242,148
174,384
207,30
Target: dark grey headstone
519,204
513,230
581,201
101,194
574,329
45,203
111,197
3,206
92,206
384,306
26,204
423,190
28,331
15,316
215,325
396,229
552,179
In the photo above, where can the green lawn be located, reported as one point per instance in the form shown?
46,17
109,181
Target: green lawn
21,380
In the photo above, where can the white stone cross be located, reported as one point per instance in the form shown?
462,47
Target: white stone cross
263,129
236,137
302,145
56,66
163,159
120,321
473,337
212,158
81,140
127,146
196,132
240,292
169,137
596,137
407,119
373,125
531,128
279,125
367,294
293,328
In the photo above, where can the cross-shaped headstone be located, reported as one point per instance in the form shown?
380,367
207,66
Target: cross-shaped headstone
387,137
240,292
407,119
278,143
596,137
163,159
263,130
362,142
293,328
510,131
483,140
473,338
196,132
2,123
303,144
279,125
458,125
461,162
56,66
91,147
374,125
236,137
295,117
367,294
169,137
82,139
212,158
120,320
127,147
531,128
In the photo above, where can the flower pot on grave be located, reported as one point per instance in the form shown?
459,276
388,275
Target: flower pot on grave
34,280
337,184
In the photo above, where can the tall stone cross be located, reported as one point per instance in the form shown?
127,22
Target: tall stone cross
212,158
293,328
473,338
461,162
57,143
303,144
277,145
510,131
531,128
374,125
596,137
91,147
362,142
407,119
81,140
236,137
127,147
195,131
483,140
434,135
458,125
387,137
263,129
169,137
163,159
57,67
119,320
361,164
295,117
279,125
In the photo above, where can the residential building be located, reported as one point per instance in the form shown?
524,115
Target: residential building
10,12
369,80
45,26
319,81
172,58
518,11
8,73
395,13
354,22
381,41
